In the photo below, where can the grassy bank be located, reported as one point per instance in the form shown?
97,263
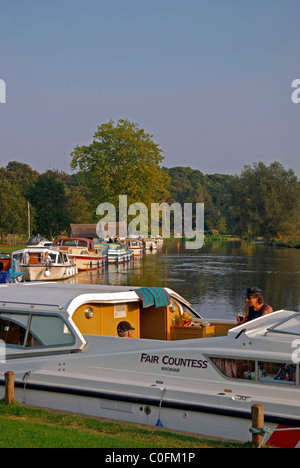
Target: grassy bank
4,248
289,243
25,427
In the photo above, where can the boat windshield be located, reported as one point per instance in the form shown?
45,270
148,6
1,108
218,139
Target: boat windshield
36,240
287,326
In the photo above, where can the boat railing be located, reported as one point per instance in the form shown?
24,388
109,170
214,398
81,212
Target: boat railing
32,306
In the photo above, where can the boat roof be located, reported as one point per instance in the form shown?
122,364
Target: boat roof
67,296
36,250
73,239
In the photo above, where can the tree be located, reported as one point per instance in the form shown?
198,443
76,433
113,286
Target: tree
265,201
79,210
49,198
121,160
20,175
13,210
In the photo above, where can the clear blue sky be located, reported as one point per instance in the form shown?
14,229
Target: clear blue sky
209,79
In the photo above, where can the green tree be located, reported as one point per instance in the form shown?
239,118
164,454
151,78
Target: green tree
20,175
13,210
265,200
49,197
78,207
121,160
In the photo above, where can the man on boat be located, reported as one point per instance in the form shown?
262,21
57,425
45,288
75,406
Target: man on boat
124,330
255,306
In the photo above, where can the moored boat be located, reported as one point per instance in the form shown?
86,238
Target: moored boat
117,252
61,342
150,244
38,241
136,246
41,264
83,251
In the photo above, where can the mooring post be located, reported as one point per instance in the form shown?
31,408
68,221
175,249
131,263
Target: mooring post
9,387
258,422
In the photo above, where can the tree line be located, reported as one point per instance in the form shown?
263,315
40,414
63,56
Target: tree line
123,159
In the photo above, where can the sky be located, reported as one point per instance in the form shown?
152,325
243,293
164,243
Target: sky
210,80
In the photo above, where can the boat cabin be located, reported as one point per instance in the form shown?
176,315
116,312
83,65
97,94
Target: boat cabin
40,256
5,261
154,313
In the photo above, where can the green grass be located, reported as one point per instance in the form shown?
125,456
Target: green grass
25,427
4,248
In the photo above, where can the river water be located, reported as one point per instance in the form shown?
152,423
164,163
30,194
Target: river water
214,278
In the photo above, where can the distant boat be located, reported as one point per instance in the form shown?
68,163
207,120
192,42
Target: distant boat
38,241
150,243
83,251
136,245
39,264
116,252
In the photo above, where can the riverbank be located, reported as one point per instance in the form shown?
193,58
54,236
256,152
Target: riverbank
288,243
27,427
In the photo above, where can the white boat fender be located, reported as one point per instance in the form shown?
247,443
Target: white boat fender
47,273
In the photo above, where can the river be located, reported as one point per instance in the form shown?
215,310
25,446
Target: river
214,278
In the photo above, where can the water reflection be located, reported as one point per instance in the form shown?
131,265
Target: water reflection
213,278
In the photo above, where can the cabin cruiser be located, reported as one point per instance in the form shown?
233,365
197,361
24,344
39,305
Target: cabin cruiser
150,244
117,252
83,251
61,342
136,246
38,241
43,264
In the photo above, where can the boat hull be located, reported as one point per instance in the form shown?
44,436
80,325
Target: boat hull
149,406
88,263
50,273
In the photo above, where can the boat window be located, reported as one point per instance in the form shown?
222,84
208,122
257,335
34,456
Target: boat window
43,330
48,331
272,372
82,243
236,368
183,308
13,328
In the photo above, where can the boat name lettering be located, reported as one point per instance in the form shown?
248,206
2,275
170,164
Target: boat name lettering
173,361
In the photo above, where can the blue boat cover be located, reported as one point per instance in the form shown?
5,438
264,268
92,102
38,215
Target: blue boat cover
158,297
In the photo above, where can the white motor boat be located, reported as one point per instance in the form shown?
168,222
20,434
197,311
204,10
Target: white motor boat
83,252
150,244
136,246
61,342
43,264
